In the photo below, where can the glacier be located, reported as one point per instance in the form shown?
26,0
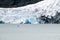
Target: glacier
39,13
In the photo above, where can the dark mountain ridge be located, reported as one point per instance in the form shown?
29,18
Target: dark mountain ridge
16,3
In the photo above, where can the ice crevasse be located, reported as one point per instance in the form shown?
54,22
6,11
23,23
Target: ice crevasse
30,13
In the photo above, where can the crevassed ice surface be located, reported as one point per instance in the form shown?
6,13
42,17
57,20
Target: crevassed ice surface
30,13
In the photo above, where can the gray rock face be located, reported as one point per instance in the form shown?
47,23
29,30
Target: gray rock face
16,3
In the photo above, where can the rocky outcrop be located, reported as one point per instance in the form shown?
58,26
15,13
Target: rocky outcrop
16,3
